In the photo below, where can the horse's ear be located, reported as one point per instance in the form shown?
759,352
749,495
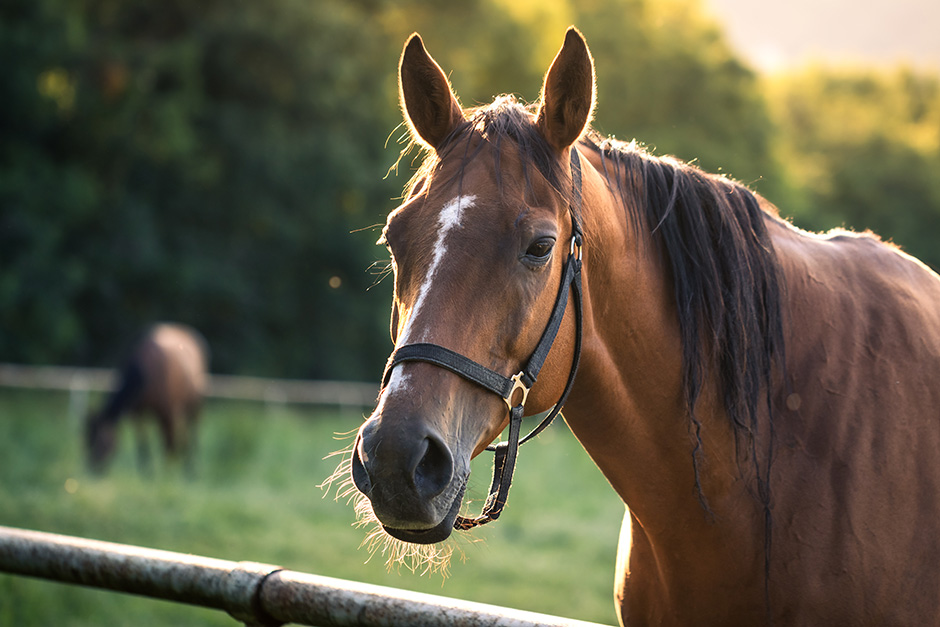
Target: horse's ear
427,101
567,93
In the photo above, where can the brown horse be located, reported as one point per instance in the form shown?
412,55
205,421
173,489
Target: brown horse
165,375
766,401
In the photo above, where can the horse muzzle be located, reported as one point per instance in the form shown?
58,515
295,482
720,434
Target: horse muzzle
411,479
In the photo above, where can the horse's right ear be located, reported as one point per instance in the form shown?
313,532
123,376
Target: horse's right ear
427,101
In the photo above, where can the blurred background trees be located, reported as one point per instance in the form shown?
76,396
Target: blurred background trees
205,162
223,163
862,150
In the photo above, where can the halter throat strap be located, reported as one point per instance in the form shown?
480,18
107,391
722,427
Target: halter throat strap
507,387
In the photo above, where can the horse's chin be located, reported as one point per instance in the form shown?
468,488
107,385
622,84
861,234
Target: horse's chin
438,533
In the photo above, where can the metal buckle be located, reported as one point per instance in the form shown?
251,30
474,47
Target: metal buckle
576,244
517,384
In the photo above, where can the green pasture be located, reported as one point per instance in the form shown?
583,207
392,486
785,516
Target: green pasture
256,497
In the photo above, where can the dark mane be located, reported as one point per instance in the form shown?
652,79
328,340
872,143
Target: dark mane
713,236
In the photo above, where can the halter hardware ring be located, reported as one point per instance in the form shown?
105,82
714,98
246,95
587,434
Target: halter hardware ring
517,384
576,244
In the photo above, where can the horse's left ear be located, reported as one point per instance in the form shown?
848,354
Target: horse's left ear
568,93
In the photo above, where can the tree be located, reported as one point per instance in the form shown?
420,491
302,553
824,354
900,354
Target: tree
192,161
863,151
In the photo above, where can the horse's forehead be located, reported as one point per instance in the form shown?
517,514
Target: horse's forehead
422,217
443,206
498,179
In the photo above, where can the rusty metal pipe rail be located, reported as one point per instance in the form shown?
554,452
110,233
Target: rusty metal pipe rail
255,594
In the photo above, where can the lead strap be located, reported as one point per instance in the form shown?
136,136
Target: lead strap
504,462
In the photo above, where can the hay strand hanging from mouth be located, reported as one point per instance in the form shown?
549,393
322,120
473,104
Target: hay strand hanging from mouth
423,559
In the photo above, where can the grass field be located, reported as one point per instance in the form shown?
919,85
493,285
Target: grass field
255,497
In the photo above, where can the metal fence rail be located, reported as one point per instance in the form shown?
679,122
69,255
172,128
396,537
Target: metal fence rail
255,594
343,393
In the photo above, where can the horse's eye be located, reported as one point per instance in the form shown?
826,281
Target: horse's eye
540,249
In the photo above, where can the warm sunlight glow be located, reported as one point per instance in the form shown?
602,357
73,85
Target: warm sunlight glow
776,36
544,17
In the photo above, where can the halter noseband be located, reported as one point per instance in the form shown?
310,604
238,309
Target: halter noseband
506,387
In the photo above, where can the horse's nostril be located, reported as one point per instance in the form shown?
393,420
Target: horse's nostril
359,473
435,469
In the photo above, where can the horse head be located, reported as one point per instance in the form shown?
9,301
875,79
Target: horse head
479,251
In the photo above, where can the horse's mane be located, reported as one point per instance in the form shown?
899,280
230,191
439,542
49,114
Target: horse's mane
714,242
713,236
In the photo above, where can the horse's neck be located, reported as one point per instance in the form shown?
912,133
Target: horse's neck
628,406
629,411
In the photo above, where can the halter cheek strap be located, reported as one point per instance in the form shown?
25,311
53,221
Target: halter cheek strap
506,387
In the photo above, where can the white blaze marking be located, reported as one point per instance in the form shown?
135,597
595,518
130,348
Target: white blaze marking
448,220
397,380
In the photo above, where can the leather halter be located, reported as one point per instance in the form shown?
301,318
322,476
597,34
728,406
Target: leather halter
505,387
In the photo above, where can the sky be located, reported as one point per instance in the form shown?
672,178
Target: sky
777,35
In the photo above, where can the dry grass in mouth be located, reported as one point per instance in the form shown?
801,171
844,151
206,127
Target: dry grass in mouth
424,559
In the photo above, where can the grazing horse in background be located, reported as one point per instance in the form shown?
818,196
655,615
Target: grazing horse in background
765,401
165,375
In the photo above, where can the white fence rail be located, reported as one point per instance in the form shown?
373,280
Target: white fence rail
255,594
343,393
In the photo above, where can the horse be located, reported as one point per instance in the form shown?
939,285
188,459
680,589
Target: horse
765,400
164,375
